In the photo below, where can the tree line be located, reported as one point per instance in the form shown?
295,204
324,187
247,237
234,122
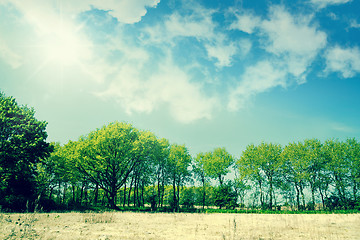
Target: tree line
119,165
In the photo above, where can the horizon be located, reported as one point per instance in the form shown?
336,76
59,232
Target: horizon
205,74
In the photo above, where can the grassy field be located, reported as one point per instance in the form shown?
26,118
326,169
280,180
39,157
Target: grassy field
129,225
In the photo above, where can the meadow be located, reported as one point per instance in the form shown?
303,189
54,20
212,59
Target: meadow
131,225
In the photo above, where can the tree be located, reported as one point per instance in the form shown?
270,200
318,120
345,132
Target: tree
295,169
249,169
161,167
143,171
262,163
108,155
335,153
199,172
240,187
179,161
314,161
225,196
353,157
22,145
217,164
270,162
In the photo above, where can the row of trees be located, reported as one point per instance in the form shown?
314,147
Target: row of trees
132,166
329,171
119,165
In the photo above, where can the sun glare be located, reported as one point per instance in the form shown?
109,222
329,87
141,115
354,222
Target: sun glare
65,48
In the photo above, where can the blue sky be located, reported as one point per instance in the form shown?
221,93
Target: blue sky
202,73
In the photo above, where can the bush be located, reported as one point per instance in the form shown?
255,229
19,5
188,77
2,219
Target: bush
226,197
187,198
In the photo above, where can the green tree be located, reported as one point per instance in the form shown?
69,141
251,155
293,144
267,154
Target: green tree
225,196
217,164
240,186
179,162
262,163
161,168
295,169
315,164
335,153
144,170
22,145
108,155
249,169
199,173
353,157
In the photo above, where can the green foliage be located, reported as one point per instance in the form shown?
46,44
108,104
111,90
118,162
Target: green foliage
262,165
108,155
22,146
226,197
188,197
217,164
179,162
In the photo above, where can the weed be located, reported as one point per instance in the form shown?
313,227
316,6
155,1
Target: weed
24,227
106,217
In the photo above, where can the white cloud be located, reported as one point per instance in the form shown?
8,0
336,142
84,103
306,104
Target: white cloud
290,38
9,56
245,46
292,42
325,3
293,39
185,99
223,53
246,22
126,11
343,60
169,86
198,25
256,79
48,13
354,24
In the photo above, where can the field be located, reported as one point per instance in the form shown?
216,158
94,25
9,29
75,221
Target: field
129,225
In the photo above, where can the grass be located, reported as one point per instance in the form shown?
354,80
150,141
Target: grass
144,225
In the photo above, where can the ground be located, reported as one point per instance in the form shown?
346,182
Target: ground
128,225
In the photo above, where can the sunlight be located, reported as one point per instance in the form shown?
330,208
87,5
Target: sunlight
65,48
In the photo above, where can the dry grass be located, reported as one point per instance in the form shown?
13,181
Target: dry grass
117,225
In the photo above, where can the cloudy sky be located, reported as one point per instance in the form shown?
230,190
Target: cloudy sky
203,73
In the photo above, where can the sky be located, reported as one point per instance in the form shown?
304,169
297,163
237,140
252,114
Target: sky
203,73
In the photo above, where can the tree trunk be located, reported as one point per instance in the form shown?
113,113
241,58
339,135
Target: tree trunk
73,193
135,191
271,193
162,194
124,195
174,194
204,194
159,192
96,194
297,196
81,193
131,183
261,195
112,199
178,198
354,190
142,196
302,195
322,198
220,180
51,192
64,193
